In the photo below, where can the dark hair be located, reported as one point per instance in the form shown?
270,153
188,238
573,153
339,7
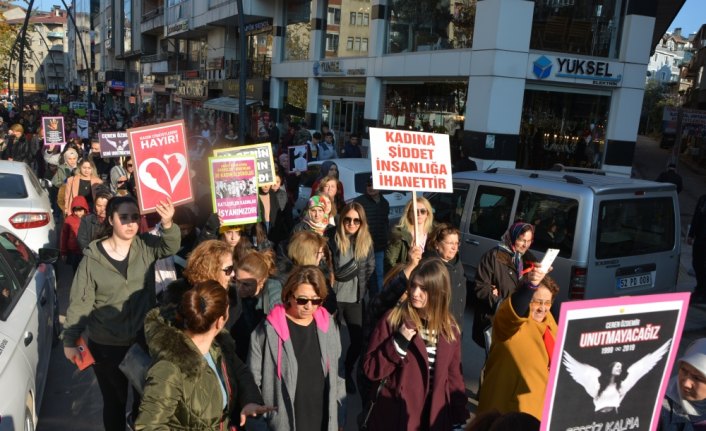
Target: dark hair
317,136
306,274
440,232
606,378
184,215
114,203
201,306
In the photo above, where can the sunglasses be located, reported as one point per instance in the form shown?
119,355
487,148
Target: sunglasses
129,218
421,211
350,220
129,165
301,300
228,270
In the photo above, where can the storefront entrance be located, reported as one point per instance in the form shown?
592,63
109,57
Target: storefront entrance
343,117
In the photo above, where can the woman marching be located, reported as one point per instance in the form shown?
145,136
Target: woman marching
295,355
110,298
414,356
353,264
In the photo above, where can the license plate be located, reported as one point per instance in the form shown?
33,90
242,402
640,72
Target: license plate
640,280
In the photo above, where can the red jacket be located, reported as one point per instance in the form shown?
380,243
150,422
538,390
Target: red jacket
69,231
402,399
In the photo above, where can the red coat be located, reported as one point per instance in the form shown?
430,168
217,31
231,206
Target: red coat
402,399
68,242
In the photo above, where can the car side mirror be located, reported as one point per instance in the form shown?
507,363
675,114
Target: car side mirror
48,255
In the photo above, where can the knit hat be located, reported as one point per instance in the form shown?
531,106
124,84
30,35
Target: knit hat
696,355
314,202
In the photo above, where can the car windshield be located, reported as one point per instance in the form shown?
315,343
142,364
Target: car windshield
12,186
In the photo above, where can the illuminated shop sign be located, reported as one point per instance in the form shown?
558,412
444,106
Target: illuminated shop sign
577,70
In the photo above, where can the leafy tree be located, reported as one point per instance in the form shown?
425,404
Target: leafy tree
463,20
656,97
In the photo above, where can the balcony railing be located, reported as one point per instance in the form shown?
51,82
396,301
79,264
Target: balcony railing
56,34
154,13
153,58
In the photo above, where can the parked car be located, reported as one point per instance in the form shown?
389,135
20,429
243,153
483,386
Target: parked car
616,236
28,327
24,203
354,175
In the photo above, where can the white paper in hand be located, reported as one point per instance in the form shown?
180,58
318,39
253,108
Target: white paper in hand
548,259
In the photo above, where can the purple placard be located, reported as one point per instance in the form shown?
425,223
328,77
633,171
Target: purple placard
53,131
114,144
612,360
234,189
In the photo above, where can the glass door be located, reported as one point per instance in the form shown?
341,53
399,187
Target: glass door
344,117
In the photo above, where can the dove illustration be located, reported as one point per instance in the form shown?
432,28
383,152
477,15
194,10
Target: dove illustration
608,391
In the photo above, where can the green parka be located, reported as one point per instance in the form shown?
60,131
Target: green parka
110,306
181,392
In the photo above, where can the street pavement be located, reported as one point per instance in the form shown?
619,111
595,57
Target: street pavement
73,401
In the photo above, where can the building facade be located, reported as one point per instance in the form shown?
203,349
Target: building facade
515,83
46,61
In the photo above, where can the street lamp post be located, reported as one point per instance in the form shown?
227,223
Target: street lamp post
243,71
23,41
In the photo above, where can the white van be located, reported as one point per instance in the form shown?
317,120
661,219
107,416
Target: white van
616,236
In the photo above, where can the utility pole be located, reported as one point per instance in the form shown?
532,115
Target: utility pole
23,41
242,82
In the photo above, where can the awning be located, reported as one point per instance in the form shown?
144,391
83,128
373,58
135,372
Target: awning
227,104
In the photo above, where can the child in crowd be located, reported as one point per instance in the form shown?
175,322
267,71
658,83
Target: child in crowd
69,247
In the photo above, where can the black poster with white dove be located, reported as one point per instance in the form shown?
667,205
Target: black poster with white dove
612,362
114,144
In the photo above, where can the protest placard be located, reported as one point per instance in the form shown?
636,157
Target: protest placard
262,153
234,189
298,158
82,127
53,131
114,144
159,152
404,160
611,362
94,116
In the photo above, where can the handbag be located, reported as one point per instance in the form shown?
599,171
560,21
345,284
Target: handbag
347,272
364,425
135,365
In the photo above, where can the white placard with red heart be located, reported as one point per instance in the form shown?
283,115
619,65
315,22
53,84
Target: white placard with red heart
160,154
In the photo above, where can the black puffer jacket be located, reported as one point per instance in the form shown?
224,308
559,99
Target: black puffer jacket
458,286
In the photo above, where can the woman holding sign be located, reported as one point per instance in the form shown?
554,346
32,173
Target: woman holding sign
110,296
402,235
523,327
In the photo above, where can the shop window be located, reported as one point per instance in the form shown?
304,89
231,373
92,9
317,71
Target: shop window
430,107
297,33
562,127
590,28
424,25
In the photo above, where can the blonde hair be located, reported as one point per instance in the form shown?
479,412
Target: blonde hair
304,247
94,171
260,264
433,277
363,240
407,220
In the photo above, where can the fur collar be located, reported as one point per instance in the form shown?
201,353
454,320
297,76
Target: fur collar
169,343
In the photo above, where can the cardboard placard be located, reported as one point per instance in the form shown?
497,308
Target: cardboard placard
262,153
114,144
298,158
612,360
234,189
53,131
162,169
404,160
82,127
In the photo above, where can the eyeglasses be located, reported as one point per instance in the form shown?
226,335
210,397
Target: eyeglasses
421,211
351,220
543,303
523,241
228,270
302,300
451,243
129,218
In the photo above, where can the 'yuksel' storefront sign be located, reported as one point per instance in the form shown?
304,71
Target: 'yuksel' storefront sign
577,70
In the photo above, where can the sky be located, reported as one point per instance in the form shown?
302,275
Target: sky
690,18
